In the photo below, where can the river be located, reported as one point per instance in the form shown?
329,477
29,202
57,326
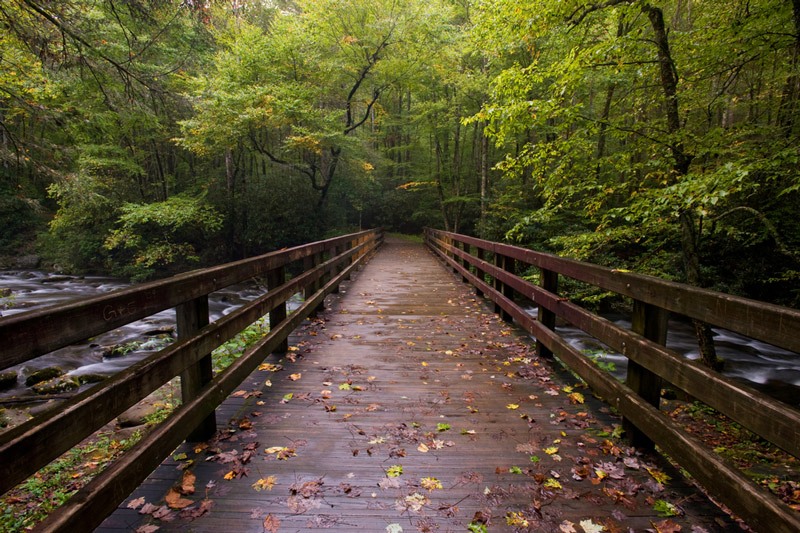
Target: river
33,290
770,369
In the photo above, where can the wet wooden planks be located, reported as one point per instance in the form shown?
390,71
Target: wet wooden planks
408,368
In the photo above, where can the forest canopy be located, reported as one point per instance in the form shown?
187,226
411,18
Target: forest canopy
145,137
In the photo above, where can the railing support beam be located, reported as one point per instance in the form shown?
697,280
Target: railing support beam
191,317
275,278
548,280
650,322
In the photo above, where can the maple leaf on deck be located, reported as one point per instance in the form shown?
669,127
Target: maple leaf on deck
175,501
666,526
186,486
264,483
272,524
135,504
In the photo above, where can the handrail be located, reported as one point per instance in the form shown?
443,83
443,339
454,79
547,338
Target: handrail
29,335
649,361
29,446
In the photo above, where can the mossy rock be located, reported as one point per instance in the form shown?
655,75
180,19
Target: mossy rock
43,375
8,380
58,385
91,378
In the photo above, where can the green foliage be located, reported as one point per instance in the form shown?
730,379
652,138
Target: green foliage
232,349
164,233
665,508
592,165
54,484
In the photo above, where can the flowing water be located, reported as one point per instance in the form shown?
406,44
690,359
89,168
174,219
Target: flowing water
763,366
33,290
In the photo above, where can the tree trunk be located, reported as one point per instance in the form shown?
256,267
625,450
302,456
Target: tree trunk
690,238
791,89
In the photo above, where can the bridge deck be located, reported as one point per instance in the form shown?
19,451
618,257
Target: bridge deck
409,368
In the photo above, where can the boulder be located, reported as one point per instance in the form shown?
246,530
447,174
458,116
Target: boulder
8,380
43,375
28,262
57,385
91,378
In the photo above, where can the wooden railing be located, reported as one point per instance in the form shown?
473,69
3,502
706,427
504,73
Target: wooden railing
650,363
30,446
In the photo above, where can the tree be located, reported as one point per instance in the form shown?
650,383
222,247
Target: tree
652,126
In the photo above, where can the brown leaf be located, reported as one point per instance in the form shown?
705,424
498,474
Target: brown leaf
196,512
271,524
135,504
163,513
187,483
147,529
666,526
148,508
175,501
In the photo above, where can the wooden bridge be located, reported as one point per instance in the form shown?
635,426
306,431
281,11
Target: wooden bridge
405,403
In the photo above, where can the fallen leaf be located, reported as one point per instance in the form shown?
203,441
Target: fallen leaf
196,512
389,483
264,483
187,483
148,508
135,504
567,527
431,483
175,501
666,526
512,406
272,524
394,528
590,527
147,529
394,471
295,377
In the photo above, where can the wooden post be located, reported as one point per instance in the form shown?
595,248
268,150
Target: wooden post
275,278
651,322
510,266
548,280
498,285
309,263
464,262
191,317
478,271
336,251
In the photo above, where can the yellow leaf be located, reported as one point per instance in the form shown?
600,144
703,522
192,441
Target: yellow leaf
230,475
512,406
265,483
295,377
431,483
551,450
576,397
